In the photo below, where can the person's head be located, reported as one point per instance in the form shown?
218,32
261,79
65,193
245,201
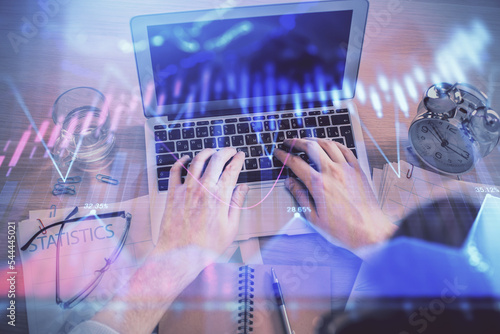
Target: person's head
445,222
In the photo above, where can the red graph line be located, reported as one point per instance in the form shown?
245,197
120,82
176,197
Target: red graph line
41,131
6,146
53,136
20,148
229,204
40,227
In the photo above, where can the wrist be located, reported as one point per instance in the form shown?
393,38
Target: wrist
191,259
382,230
140,305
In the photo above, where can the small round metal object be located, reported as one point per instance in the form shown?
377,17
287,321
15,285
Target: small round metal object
437,98
454,128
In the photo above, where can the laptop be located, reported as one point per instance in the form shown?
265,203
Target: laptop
249,77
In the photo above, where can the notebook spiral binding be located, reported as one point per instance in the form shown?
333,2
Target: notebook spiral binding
245,299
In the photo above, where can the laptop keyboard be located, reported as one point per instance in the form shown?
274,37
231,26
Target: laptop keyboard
256,136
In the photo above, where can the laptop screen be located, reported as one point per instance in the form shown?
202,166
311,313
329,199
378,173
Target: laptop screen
253,64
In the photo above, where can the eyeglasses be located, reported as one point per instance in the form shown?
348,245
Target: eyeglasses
83,293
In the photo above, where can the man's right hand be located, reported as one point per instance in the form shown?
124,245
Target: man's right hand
342,202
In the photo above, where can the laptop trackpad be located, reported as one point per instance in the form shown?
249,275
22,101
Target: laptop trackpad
271,211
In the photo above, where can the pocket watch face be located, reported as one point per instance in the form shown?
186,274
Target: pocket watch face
442,145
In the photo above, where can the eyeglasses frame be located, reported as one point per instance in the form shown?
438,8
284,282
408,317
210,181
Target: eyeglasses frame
83,293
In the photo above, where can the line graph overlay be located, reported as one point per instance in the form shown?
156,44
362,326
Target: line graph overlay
396,124
229,204
20,148
23,106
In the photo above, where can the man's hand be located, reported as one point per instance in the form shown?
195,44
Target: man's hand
342,202
200,221
204,211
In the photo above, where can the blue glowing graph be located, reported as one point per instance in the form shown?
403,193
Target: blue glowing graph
452,64
464,52
269,60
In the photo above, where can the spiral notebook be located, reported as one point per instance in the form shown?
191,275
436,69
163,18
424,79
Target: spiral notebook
227,298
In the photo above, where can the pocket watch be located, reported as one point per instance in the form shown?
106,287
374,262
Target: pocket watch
454,128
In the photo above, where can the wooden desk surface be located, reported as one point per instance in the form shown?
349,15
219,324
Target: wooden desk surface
88,43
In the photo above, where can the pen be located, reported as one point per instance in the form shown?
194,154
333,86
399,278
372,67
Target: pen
281,303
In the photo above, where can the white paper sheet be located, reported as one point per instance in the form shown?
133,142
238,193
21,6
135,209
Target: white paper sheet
399,195
87,250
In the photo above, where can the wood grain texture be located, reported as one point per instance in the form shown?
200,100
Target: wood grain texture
88,43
